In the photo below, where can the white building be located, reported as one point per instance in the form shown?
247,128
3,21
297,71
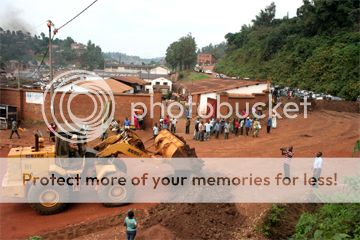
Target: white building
208,90
160,70
165,85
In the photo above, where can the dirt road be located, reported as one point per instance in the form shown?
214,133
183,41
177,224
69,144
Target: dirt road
333,133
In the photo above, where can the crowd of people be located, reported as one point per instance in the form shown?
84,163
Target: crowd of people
205,129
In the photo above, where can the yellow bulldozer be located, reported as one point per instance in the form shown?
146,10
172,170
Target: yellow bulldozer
102,160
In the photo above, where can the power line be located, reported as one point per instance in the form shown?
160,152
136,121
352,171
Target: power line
57,29
77,15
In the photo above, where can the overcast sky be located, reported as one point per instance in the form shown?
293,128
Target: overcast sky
139,27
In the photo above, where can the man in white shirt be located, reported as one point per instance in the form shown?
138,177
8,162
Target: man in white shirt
317,166
207,130
173,125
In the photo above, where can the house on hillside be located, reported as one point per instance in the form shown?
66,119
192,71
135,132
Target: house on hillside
205,59
159,84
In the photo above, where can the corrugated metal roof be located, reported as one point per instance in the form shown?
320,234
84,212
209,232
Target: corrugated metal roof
217,85
115,86
130,80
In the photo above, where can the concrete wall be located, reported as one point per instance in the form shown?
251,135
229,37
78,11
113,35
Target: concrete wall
81,105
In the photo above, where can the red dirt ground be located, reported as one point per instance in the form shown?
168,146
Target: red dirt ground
333,133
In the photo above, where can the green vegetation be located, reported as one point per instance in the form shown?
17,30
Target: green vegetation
27,48
316,50
192,76
272,220
181,55
332,221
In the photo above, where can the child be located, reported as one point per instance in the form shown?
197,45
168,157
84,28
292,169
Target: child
131,225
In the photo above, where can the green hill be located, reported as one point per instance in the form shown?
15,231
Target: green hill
316,50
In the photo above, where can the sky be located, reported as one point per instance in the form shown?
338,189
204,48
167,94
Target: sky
143,28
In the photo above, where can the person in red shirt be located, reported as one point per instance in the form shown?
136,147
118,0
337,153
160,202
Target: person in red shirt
166,122
236,126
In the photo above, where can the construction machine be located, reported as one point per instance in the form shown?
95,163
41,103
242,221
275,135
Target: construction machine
100,161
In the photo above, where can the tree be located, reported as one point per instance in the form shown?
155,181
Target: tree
181,54
92,57
266,16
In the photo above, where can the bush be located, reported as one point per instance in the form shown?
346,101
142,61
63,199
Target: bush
332,221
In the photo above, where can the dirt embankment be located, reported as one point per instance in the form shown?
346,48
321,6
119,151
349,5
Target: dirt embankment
193,221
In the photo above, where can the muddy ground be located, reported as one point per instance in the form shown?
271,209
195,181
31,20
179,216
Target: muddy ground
333,133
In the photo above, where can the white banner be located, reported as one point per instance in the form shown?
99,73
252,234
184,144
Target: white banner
179,180
35,97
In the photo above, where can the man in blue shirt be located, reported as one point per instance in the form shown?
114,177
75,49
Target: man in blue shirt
127,123
247,125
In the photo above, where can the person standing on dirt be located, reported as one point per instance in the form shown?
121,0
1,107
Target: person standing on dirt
241,126
222,124
226,130
166,122
131,225
256,127
127,124
155,130
201,130
317,166
187,126
247,125
236,126
52,130
269,125
207,130
173,125
196,131
289,154
14,128
217,129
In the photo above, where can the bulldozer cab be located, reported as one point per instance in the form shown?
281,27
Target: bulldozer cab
62,146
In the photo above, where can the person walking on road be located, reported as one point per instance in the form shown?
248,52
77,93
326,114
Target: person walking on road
131,225
14,128
187,126
269,125
317,166
289,154
273,121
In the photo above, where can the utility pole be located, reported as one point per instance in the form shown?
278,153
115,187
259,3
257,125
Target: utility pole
52,107
50,24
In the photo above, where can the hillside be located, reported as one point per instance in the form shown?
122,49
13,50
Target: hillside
25,48
128,59
316,50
